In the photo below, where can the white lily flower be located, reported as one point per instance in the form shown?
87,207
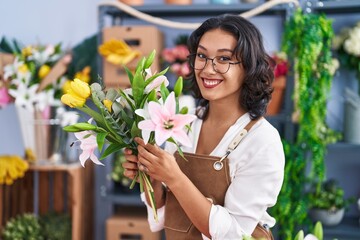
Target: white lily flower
11,69
25,96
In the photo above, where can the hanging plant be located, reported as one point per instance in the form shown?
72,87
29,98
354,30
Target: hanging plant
306,40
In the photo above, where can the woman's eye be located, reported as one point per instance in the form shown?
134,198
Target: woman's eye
202,56
223,59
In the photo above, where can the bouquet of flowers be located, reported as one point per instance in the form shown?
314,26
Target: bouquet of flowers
147,109
30,78
347,45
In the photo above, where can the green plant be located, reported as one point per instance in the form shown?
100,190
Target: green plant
307,42
117,174
56,226
23,227
330,197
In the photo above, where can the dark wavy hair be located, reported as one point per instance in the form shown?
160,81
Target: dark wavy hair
258,65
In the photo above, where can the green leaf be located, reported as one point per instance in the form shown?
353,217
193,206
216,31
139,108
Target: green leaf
300,235
150,59
178,86
128,100
71,128
129,121
150,79
184,110
130,75
100,140
140,66
112,148
318,231
135,131
152,96
138,87
78,127
164,91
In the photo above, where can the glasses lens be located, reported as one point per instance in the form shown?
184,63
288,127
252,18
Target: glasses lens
221,65
197,62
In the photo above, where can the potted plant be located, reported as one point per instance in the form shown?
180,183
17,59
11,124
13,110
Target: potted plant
25,227
328,203
279,84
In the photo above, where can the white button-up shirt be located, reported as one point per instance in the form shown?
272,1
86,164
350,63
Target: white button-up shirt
256,170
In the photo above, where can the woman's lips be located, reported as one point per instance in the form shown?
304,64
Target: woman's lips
211,83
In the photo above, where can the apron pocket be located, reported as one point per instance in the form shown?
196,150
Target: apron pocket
175,217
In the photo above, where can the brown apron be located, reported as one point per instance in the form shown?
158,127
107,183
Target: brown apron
217,180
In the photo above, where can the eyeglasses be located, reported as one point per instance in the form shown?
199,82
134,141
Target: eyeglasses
221,64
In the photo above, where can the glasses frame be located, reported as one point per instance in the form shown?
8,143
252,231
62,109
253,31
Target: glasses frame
212,63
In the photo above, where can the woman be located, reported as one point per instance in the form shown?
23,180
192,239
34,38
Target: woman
235,168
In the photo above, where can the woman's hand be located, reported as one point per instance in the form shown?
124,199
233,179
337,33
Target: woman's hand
157,163
131,164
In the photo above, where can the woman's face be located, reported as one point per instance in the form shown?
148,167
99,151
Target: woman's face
215,86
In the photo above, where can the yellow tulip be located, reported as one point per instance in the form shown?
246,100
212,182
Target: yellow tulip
26,51
66,86
118,52
72,100
108,103
44,71
84,75
80,88
23,68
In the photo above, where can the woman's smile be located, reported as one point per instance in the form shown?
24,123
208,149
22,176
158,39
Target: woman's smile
211,83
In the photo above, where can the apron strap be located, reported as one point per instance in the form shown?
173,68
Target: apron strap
234,143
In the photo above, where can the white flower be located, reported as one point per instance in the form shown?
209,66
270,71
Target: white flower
25,96
41,57
11,69
352,43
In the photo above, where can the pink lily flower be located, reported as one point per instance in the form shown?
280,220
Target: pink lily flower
166,123
5,98
88,146
156,83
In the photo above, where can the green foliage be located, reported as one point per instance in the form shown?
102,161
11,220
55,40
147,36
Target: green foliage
23,227
330,197
56,226
307,40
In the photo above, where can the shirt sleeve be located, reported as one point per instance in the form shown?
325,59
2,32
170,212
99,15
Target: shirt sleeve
255,188
155,226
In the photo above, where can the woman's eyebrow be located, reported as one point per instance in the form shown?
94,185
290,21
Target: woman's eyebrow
219,50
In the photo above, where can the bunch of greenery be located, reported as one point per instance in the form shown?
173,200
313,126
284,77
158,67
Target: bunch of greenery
56,226
23,227
331,196
307,41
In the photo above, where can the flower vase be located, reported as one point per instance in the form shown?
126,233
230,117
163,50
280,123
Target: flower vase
277,98
352,117
40,135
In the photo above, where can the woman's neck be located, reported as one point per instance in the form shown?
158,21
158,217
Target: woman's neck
224,113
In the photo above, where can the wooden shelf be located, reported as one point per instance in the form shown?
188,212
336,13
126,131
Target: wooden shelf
47,167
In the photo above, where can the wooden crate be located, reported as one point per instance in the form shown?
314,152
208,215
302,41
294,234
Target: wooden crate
58,188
